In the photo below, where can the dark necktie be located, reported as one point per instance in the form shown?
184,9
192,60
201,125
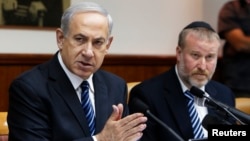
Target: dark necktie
87,106
195,120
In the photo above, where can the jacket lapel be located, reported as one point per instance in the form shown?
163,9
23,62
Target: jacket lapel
173,92
102,105
61,85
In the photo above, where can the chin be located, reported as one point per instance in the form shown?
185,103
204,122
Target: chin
198,83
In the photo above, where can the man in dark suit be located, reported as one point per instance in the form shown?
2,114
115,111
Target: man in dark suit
45,102
196,54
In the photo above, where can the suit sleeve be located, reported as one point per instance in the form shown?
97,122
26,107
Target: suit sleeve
29,116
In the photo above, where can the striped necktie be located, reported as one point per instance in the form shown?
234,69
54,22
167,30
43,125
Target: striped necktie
87,106
195,120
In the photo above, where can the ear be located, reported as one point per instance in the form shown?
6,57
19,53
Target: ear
109,44
59,38
178,52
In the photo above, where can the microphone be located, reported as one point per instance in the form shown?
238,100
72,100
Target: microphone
142,107
205,99
210,102
213,120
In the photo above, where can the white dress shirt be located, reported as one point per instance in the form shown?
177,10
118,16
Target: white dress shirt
202,110
76,82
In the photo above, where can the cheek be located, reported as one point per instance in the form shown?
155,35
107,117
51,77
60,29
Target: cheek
190,64
102,51
99,55
212,66
71,53
190,67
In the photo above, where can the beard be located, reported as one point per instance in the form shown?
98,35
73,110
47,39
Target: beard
189,78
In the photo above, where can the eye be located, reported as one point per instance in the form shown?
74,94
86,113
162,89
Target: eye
195,55
80,40
98,43
210,57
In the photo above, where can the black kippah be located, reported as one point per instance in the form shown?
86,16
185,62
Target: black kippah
199,24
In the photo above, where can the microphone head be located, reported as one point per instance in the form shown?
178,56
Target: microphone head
139,105
213,120
197,92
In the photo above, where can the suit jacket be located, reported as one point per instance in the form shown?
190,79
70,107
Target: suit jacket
164,96
43,105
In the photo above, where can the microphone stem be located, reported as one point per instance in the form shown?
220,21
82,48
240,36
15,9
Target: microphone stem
227,111
164,125
232,115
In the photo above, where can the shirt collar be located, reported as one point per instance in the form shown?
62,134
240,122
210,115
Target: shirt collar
74,79
183,86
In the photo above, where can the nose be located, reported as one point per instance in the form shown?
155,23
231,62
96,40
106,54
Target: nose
202,64
88,50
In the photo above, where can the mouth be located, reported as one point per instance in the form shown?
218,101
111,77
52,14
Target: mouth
200,76
84,65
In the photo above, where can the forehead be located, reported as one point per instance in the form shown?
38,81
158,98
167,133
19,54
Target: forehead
89,21
203,43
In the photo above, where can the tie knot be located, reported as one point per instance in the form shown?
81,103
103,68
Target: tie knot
84,85
189,95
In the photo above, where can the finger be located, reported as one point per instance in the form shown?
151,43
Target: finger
136,129
115,114
134,137
136,125
120,107
132,120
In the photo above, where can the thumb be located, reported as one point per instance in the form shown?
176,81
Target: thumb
115,114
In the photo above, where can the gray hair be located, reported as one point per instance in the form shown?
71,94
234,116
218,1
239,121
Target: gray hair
200,31
84,7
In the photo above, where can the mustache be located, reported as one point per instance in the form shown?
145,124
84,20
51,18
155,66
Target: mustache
199,72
